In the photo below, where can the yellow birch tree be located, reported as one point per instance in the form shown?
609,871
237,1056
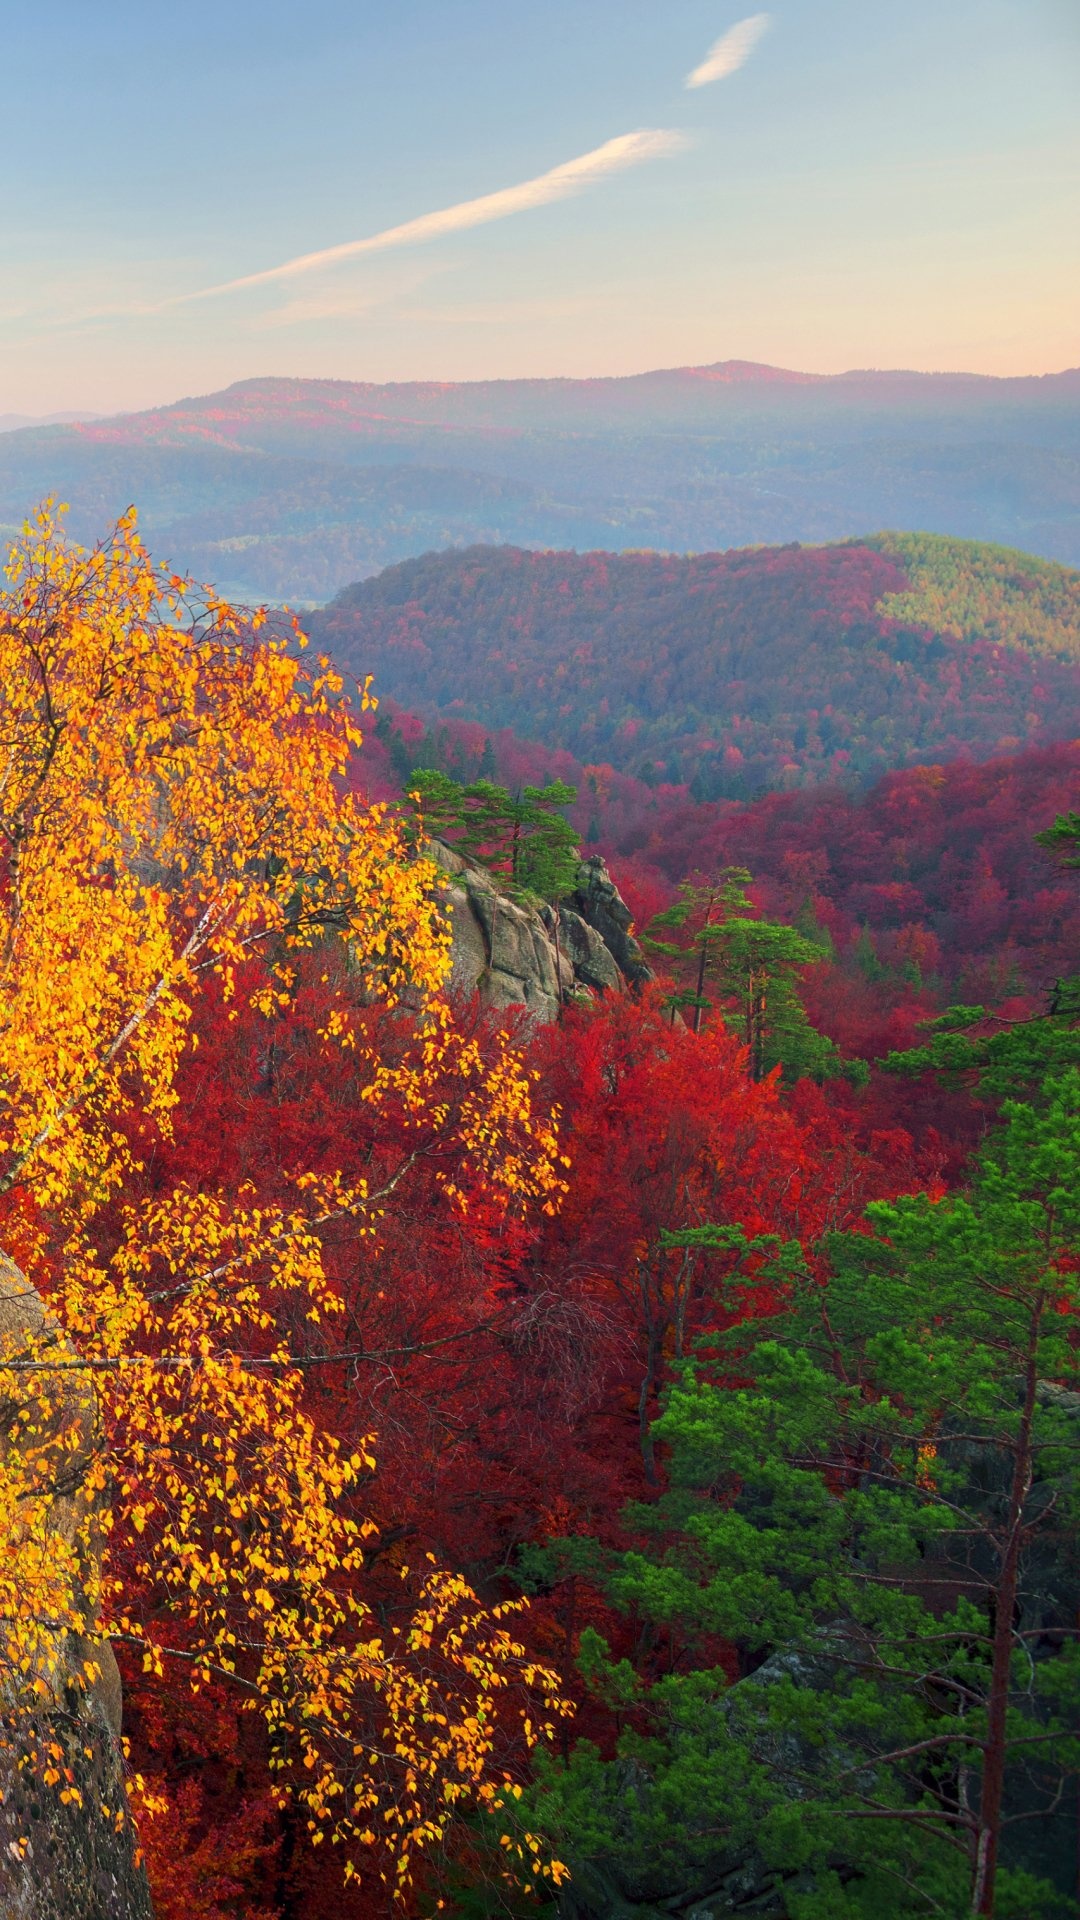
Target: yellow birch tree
173,801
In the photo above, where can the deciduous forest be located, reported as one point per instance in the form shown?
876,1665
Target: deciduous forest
733,672
600,1466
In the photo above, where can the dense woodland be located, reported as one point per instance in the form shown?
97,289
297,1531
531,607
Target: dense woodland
600,1469
735,672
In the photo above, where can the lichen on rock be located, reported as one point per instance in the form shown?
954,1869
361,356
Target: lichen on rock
515,954
68,1849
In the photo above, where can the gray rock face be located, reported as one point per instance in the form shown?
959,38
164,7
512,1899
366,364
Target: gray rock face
70,1860
73,1859
602,907
735,1887
514,955
700,1879
593,962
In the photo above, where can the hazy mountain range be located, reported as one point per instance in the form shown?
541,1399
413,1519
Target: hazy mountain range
10,422
291,489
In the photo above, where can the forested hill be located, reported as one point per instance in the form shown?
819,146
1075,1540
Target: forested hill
734,672
288,489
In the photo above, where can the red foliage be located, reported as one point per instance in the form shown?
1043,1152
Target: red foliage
751,668
506,1365
937,863
509,1365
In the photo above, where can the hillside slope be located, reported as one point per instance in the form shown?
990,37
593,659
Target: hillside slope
734,671
289,489
933,868
984,593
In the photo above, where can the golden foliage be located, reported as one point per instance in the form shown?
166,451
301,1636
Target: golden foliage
173,801
169,799
981,592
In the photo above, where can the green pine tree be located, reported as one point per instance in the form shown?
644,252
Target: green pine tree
487,769
720,954
874,1501
1063,839
524,840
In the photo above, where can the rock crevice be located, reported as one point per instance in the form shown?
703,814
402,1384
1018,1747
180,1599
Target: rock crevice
516,954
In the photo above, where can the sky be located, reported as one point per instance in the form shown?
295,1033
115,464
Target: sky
467,189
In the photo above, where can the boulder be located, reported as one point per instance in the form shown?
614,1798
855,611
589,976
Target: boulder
598,900
513,954
588,959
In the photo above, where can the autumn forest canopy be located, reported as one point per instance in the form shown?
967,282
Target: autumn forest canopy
731,672
540,1231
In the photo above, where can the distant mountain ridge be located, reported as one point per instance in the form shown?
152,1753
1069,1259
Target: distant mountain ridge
289,489
734,672
12,422
255,410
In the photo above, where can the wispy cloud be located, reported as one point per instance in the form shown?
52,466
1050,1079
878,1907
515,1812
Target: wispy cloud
730,52
342,297
302,313
561,183
502,313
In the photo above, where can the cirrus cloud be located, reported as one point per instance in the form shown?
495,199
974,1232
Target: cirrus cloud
559,183
730,52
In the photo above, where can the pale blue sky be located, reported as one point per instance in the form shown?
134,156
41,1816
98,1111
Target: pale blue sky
878,185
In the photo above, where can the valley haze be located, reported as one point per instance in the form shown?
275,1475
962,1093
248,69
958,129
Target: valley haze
291,489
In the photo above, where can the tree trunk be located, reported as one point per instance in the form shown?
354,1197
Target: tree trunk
62,1858
700,989
569,1622
648,1452
285,1891
994,1749
680,1300
757,988
558,960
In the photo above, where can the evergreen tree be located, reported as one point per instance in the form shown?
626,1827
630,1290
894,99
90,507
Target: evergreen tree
479,820
487,769
695,920
874,1500
525,840
865,956
756,965
547,853
711,938
996,1055
1063,839
401,760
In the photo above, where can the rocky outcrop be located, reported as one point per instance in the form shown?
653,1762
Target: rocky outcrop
70,1860
598,901
67,1847
593,964
536,957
